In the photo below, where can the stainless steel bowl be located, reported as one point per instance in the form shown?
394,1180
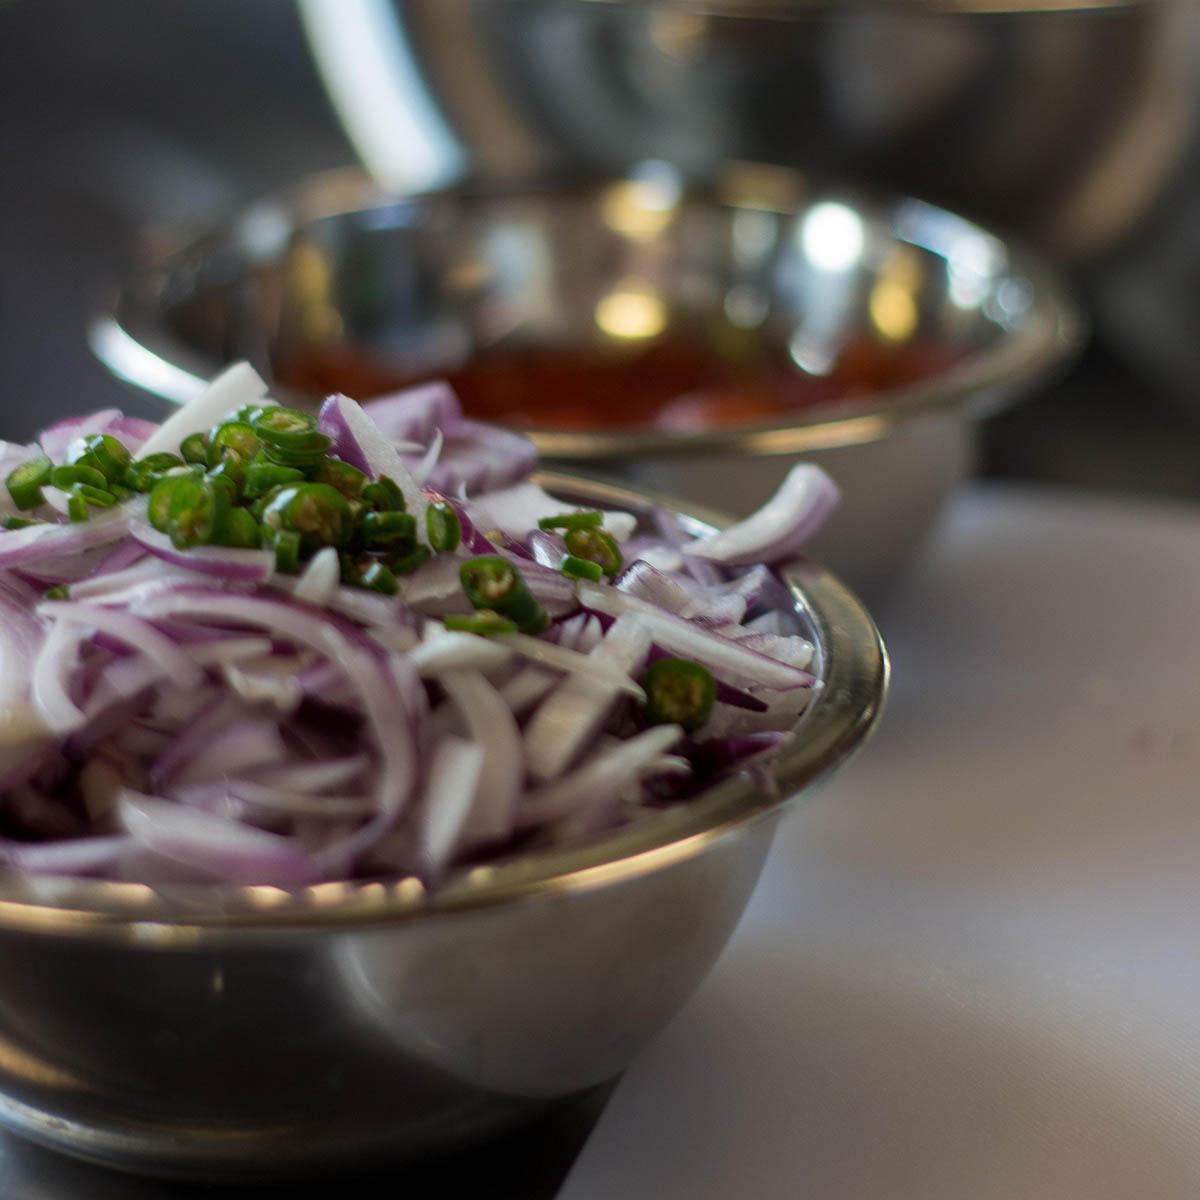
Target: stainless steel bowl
765,267
257,1032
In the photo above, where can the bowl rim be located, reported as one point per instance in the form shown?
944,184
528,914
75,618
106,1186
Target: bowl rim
854,671
133,344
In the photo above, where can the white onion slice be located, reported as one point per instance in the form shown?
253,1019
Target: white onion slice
797,510
236,386
455,772
319,579
449,650
516,510
561,659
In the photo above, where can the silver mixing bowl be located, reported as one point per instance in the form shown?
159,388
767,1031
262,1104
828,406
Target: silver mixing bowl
256,1032
764,266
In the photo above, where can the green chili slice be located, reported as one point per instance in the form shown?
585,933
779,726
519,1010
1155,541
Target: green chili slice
406,564
262,476
596,546
196,512
287,550
232,438
240,529
442,527
485,622
378,578
586,519
581,568
279,426
67,477
146,472
19,522
384,495
389,531
315,511
97,497
26,481
492,582
194,449
77,507
59,591
109,455
678,692
348,480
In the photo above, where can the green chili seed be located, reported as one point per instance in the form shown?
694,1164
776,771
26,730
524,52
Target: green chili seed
588,519
67,477
194,448
315,511
384,495
108,454
18,522
486,623
232,438
678,692
377,578
97,497
581,568
26,481
596,546
492,582
390,530
240,529
59,591
348,480
287,550
442,527
77,508
406,564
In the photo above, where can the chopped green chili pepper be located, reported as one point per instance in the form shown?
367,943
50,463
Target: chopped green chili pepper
278,426
287,550
162,495
263,476
390,530
348,480
308,453
109,455
596,546
196,513
19,522
194,449
493,582
25,482
77,508
377,578
384,495
235,438
247,413
146,472
315,511
485,622
67,477
99,497
406,564
581,568
678,692
59,591
442,527
588,519
240,529
231,475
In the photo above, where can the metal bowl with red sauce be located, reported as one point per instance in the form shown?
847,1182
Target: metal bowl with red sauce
695,339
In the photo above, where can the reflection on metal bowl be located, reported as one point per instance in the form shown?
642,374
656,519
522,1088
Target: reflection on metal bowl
696,341
250,1032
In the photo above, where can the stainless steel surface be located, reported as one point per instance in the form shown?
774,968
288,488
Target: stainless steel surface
991,107
257,1032
766,262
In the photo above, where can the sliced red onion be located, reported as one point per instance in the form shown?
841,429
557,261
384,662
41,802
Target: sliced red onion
777,531
219,562
516,510
525,687
548,549
455,776
302,804
319,579
415,413
240,747
492,728
123,555
79,856
39,542
226,850
422,470
648,583
435,587
599,781
358,441
655,551
56,438
235,387
316,776
444,650
569,719
717,611
207,724
793,650
481,458
268,685
559,658
134,632
51,681
729,660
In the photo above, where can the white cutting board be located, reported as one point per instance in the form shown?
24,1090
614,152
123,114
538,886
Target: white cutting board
972,968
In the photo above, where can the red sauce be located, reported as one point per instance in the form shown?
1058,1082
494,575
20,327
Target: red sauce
671,383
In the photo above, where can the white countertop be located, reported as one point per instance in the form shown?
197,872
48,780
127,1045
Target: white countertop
972,967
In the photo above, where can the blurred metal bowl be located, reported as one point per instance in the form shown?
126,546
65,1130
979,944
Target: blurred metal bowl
256,1032
924,320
